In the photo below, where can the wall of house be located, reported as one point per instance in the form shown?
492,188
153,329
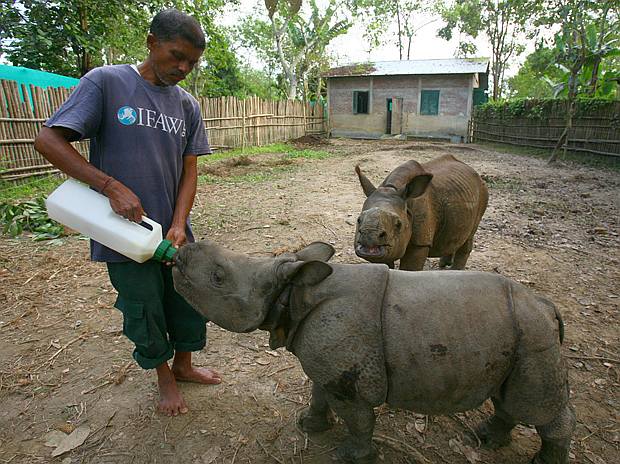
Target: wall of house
455,103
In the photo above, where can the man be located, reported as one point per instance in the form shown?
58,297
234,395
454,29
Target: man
145,135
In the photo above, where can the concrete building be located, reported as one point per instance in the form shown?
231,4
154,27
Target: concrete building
421,98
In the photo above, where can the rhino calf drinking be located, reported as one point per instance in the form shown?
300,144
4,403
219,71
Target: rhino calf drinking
435,342
419,211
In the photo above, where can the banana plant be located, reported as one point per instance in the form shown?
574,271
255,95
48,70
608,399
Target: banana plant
594,54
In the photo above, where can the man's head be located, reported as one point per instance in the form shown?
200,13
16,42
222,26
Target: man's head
175,44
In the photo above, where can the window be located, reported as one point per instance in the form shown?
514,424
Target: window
429,102
360,102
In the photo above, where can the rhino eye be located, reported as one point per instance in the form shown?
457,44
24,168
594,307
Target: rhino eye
359,220
399,224
217,277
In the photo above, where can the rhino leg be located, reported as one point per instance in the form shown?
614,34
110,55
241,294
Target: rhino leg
495,431
317,417
446,261
462,254
556,436
414,258
359,417
536,392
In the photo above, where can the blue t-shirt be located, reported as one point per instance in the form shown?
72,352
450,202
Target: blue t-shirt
139,133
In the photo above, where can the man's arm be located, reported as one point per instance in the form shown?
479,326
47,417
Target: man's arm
53,144
185,200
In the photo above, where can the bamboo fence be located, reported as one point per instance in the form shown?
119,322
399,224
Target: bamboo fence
594,132
230,123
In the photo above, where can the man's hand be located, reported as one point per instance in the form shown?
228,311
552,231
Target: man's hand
123,201
177,236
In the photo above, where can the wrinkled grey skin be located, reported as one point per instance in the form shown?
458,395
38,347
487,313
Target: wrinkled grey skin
434,342
420,211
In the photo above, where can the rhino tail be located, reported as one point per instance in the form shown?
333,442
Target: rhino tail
558,316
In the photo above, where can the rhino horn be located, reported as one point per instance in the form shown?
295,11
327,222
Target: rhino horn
367,186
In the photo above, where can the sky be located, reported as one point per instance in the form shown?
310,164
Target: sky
353,47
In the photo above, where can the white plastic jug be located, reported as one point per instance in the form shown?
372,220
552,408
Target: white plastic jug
79,207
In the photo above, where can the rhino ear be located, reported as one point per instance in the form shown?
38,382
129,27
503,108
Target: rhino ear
311,273
417,186
316,251
306,273
367,186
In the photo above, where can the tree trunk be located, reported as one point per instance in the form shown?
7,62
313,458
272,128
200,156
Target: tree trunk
292,86
319,87
400,33
85,59
594,80
570,110
409,40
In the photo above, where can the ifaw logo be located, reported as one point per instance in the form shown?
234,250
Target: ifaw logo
126,115
149,118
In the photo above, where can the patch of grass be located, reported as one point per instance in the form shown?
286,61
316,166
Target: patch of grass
213,170
42,186
209,179
593,160
252,177
308,154
275,148
248,151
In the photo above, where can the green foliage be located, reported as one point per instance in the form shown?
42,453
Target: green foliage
31,216
73,36
587,47
293,43
537,109
504,22
218,73
586,106
258,83
68,37
532,80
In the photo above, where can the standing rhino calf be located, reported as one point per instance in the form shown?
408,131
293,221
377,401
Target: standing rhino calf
433,342
419,211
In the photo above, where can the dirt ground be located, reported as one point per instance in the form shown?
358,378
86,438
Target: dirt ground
64,362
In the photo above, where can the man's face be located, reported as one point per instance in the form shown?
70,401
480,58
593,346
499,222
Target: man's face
172,60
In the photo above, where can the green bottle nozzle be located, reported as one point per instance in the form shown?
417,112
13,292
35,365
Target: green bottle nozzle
164,251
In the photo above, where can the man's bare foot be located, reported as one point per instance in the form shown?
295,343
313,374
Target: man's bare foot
171,402
184,371
198,375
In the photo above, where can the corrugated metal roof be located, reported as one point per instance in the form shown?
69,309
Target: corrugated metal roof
406,67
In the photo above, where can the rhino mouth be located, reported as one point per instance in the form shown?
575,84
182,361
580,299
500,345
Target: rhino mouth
370,251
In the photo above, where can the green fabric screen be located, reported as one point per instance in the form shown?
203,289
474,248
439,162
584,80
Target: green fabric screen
28,76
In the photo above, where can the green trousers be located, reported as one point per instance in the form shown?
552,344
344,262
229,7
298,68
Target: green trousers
155,317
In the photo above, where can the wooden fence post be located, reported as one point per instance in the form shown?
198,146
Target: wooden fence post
243,125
